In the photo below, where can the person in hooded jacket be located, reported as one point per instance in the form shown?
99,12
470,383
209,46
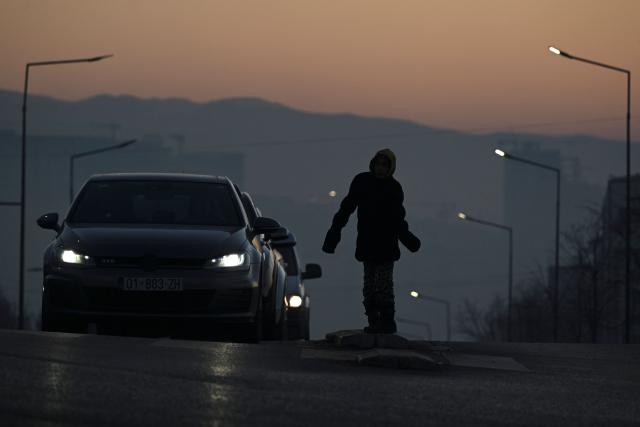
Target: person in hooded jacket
381,223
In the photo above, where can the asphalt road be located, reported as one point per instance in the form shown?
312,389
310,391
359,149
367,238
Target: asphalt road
63,379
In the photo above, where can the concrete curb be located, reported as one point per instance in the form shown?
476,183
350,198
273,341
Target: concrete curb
394,351
384,350
355,338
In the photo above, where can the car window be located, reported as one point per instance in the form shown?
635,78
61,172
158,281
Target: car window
156,202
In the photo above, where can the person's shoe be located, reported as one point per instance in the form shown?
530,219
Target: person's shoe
387,324
389,328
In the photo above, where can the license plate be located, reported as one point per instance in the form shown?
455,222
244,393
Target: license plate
158,284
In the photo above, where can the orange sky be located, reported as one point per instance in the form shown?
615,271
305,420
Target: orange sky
466,64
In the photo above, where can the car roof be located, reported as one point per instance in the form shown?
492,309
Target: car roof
249,199
160,177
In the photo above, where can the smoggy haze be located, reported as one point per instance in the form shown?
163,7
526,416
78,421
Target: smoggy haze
480,65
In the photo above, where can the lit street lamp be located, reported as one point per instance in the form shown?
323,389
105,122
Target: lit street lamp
73,158
556,283
418,295
24,167
627,326
466,217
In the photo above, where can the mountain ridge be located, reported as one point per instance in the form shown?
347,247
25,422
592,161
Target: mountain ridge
237,103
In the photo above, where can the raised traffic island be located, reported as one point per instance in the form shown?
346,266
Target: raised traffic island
386,350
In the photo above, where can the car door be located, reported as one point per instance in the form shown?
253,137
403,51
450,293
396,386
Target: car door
268,258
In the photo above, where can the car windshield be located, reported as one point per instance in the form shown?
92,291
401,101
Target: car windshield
156,202
290,260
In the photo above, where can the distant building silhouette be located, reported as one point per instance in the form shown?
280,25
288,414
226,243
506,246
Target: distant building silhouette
529,204
529,201
613,253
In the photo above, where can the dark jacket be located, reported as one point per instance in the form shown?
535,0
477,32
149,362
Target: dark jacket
381,215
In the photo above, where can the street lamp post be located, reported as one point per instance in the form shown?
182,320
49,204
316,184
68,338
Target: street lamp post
24,168
73,158
419,295
627,289
509,230
556,283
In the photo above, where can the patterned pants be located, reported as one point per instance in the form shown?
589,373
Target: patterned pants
378,288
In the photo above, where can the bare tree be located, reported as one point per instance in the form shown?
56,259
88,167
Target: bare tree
487,325
531,313
591,290
583,295
532,308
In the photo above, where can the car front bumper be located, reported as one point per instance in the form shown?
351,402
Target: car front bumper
97,293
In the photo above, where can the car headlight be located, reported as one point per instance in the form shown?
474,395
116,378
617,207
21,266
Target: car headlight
238,261
295,301
70,257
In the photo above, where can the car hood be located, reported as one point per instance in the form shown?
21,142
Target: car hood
130,241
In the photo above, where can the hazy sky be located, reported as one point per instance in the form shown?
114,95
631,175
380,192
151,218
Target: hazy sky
472,64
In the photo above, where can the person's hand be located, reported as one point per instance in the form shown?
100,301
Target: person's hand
411,242
331,241
327,249
415,244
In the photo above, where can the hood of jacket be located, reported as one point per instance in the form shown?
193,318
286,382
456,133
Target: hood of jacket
389,155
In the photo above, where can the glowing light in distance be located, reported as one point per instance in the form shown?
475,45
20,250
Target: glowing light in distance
500,152
414,294
332,193
462,215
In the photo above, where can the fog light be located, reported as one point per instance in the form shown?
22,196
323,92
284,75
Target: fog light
295,301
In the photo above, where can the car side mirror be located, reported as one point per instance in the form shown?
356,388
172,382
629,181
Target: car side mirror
49,222
312,271
270,228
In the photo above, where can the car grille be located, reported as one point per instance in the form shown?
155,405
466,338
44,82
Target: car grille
231,300
183,302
